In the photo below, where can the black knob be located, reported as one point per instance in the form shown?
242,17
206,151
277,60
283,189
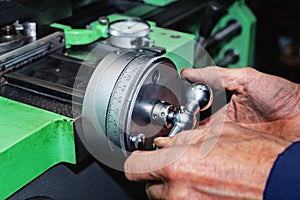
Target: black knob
231,56
232,29
213,12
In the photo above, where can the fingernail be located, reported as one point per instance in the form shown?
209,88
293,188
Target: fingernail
187,73
182,73
162,141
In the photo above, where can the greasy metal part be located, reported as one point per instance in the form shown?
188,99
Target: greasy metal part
48,83
52,77
21,56
44,88
3,81
10,39
16,35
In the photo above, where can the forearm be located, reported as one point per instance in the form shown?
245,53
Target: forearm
284,179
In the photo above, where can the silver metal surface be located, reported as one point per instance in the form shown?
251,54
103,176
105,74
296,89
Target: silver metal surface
127,42
129,28
121,87
30,29
37,48
199,94
161,114
198,98
129,33
138,140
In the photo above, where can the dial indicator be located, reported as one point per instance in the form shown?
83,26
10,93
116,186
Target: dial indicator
129,28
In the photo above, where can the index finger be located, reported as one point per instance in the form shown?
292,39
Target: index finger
221,78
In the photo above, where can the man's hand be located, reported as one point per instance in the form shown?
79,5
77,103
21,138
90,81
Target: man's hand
236,168
261,102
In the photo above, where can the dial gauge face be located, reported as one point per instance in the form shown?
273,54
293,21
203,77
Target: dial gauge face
129,28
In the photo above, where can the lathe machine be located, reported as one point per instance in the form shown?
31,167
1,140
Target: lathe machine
83,83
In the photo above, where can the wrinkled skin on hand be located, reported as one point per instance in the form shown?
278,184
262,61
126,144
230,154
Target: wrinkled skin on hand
260,102
236,168
238,155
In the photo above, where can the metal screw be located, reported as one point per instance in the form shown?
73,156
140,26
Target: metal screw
181,109
103,20
155,76
175,36
138,140
118,52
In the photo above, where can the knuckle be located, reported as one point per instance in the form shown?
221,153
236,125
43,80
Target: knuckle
249,71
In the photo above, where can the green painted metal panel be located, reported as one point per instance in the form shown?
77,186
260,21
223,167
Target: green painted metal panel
244,44
31,141
179,45
159,2
82,36
181,50
87,36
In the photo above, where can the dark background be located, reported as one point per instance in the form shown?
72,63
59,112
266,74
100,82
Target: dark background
278,37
